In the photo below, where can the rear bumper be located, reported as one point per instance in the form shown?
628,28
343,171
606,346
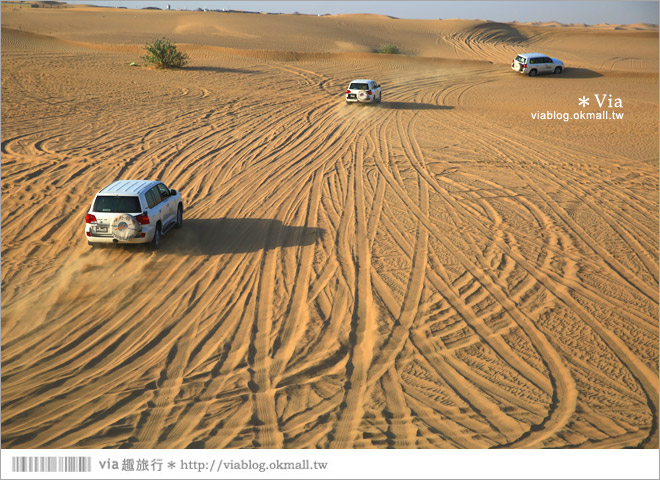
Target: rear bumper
107,239
357,100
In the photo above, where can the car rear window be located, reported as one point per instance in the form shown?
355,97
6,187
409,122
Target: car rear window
358,86
117,204
521,59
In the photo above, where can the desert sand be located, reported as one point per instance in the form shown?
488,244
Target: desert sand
437,271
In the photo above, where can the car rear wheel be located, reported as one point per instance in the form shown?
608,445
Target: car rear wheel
532,73
155,242
179,217
557,70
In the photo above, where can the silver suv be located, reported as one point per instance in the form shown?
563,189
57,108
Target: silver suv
133,211
535,63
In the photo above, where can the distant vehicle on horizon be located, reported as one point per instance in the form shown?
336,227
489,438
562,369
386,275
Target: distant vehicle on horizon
533,64
133,211
363,91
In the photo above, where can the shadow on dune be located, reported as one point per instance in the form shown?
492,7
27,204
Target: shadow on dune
217,70
575,73
413,106
236,235
496,32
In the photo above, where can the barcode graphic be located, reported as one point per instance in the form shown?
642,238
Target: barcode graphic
51,464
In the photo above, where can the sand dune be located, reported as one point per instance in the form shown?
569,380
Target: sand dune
438,271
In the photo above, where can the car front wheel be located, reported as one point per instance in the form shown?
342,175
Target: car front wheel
557,70
179,217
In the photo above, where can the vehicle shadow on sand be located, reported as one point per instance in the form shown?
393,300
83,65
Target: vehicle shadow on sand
236,235
574,73
413,106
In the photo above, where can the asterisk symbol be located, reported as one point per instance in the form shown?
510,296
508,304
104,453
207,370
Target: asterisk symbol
583,101
171,464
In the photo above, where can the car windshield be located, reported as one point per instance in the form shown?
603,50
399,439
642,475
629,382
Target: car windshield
358,86
117,204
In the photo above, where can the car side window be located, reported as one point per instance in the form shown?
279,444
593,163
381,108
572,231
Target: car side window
548,60
534,61
151,201
153,197
157,195
164,192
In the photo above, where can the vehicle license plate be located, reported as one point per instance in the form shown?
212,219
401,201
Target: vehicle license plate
102,228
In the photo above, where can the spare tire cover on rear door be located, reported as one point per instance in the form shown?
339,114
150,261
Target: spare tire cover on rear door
124,227
362,95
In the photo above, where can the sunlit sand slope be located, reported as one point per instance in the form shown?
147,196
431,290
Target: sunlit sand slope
437,271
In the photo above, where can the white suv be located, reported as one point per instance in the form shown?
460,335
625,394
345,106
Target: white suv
133,211
363,91
535,63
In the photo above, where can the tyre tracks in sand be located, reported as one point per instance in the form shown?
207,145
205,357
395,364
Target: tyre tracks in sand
346,276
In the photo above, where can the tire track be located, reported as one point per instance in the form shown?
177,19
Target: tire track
363,321
404,275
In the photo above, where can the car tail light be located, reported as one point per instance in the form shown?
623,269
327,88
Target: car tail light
89,234
143,219
524,65
89,218
369,92
348,91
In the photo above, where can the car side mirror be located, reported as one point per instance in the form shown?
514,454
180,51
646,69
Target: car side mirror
172,192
